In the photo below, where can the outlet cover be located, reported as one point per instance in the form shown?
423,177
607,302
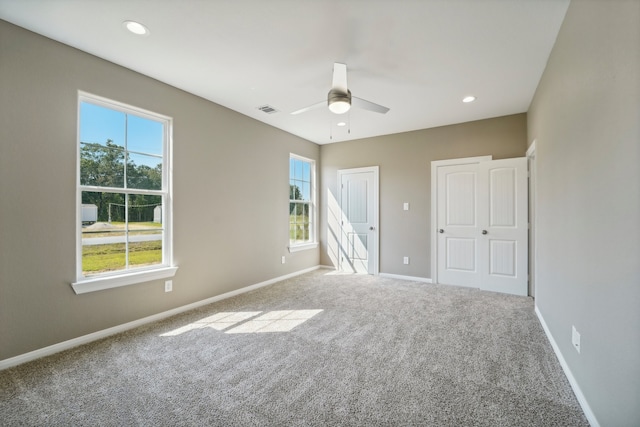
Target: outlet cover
406,260
283,259
406,206
168,286
575,338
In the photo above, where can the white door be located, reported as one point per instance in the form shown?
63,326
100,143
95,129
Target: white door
504,218
458,225
359,222
482,225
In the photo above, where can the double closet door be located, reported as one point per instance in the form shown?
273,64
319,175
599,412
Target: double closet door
482,225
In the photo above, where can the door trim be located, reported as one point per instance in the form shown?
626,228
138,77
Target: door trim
533,256
376,209
434,204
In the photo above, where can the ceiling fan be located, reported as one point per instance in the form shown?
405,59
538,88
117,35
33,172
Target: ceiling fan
339,99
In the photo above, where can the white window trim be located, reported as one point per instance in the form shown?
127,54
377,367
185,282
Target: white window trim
131,277
313,244
138,275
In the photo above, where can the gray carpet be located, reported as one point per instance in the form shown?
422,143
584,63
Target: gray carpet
381,352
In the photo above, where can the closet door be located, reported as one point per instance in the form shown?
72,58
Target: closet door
482,225
504,218
458,225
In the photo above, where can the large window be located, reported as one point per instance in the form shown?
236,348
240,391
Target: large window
302,212
124,197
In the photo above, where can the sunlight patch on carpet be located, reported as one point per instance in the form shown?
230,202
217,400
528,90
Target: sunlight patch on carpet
272,321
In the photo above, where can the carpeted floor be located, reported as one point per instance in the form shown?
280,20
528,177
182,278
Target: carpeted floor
321,349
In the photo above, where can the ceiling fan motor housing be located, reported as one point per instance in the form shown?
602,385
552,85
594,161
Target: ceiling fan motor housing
339,101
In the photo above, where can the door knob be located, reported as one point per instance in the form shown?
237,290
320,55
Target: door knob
484,232
441,231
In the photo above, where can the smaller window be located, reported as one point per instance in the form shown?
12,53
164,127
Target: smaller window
302,210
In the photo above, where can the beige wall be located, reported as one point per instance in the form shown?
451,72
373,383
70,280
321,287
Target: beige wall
405,176
230,190
585,119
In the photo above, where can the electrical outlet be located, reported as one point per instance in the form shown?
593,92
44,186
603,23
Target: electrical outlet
575,338
406,260
283,259
406,206
168,286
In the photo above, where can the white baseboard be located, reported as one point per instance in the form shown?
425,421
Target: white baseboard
565,367
401,277
75,342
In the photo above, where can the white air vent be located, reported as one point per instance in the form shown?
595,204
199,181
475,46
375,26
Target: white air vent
267,109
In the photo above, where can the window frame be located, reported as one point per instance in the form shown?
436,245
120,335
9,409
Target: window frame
131,276
313,213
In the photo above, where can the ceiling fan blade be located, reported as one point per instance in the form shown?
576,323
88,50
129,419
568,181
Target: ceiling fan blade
310,107
340,77
368,105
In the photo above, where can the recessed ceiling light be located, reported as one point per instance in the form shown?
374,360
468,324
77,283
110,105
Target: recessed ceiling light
469,98
342,124
136,28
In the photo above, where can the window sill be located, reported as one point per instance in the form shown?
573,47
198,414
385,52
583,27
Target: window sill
108,282
303,247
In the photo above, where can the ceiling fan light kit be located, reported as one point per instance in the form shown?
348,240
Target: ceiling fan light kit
339,102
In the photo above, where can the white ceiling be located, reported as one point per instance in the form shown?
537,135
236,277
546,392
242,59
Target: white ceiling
419,58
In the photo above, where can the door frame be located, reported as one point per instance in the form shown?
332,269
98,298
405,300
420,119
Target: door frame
376,209
434,204
533,255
